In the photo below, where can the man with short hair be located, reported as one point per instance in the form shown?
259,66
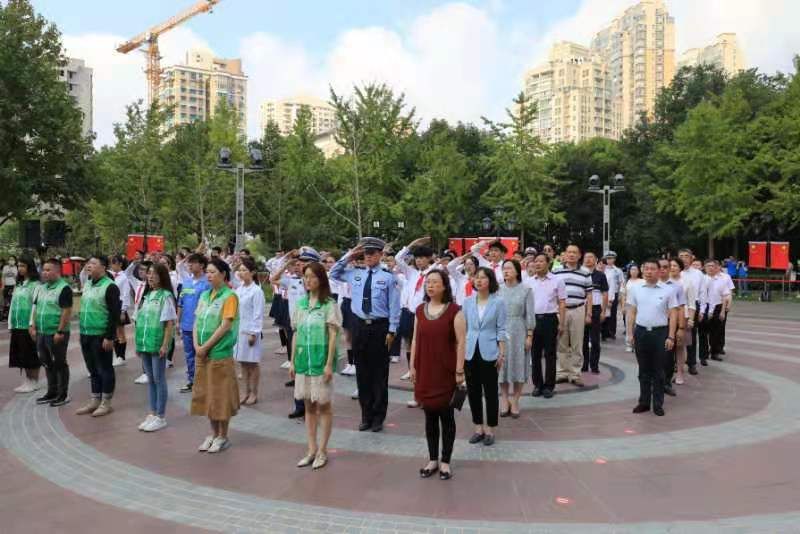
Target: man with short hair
494,257
692,279
591,356
670,361
192,274
716,292
376,305
578,283
652,323
50,325
615,280
99,319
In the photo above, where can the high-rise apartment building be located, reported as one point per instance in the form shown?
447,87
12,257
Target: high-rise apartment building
639,48
284,114
78,78
198,87
724,52
572,93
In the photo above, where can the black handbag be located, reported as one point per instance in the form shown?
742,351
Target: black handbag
459,396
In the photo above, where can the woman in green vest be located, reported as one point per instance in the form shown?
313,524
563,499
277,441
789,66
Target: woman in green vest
215,392
155,321
317,320
22,350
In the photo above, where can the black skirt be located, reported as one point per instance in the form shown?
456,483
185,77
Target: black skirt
22,354
348,317
406,327
273,309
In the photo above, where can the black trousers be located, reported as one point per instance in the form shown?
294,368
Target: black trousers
610,322
669,366
120,349
592,331
710,331
448,432
372,369
650,354
482,383
54,359
691,350
723,323
99,364
299,405
545,344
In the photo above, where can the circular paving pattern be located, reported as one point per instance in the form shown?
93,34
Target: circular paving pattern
723,457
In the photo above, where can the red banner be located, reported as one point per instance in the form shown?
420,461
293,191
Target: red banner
757,258
155,243
462,245
779,255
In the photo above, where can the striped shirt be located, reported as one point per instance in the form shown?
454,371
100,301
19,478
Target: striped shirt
578,283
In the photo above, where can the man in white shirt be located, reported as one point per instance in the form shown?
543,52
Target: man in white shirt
713,298
615,280
692,279
652,323
727,305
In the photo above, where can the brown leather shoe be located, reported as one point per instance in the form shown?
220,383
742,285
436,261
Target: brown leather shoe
89,407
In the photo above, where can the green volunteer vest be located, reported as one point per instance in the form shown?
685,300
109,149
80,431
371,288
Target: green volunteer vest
149,328
311,332
19,315
48,312
208,317
94,314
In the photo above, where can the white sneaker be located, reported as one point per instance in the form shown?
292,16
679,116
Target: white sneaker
354,396
281,350
25,387
170,364
412,404
147,421
206,444
286,364
406,376
628,349
118,362
395,359
219,444
156,424
349,370
142,379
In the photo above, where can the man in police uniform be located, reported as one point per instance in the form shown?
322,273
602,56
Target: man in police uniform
376,305
652,323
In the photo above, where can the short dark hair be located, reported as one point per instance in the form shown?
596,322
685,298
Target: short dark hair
119,259
678,261
53,261
422,251
573,245
222,267
499,246
517,267
218,250
651,260
245,251
493,285
545,256
197,258
102,259
448,290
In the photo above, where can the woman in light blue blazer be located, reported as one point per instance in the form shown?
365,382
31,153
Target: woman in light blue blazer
485,314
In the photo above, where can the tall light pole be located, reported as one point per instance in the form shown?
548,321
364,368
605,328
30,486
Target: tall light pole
239,171
607,190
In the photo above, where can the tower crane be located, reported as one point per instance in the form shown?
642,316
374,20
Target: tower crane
151,36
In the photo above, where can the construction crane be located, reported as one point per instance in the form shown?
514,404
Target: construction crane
150,37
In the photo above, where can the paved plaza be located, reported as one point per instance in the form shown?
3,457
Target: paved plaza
724,459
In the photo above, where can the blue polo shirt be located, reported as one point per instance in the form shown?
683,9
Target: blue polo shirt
191,289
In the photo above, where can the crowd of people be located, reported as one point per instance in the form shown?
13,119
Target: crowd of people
476,328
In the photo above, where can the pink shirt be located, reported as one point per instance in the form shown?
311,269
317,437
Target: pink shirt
547,292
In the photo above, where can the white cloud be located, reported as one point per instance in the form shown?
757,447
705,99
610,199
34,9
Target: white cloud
455,61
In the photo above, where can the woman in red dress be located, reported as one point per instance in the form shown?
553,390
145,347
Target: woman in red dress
437,367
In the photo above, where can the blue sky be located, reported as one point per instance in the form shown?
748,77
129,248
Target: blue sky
457,60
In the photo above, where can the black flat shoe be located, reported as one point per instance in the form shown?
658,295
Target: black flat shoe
514,415
659,411
536,392
488,440
377,427
704,363
548,393
47,399
364,427
717,358
289,384
692,369
595,371
641,408
428,473
445,475
297,415
670,392
505,414
477,437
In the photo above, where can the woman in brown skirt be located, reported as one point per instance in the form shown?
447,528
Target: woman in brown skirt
216,392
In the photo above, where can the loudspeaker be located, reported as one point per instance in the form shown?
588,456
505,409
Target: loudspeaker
55,233
30,234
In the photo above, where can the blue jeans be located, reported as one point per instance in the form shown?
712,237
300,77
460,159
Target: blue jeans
188,352
156,369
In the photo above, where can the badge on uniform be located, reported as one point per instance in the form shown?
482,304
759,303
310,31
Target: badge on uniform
357,278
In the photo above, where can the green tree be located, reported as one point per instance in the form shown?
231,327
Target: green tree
522,188
43,153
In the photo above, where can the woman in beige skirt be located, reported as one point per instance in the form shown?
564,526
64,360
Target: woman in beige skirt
317,321
216,392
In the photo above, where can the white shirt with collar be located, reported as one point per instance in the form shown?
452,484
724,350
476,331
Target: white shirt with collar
483,262
653,304
412,295
716,290
615,280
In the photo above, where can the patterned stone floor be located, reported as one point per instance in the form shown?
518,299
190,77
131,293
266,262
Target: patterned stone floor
724,459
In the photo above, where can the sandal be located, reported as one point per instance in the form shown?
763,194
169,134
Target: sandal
427,473
445,475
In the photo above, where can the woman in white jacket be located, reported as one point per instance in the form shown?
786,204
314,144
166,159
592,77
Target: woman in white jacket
251,320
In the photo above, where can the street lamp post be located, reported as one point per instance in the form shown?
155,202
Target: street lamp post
239,171
607,190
